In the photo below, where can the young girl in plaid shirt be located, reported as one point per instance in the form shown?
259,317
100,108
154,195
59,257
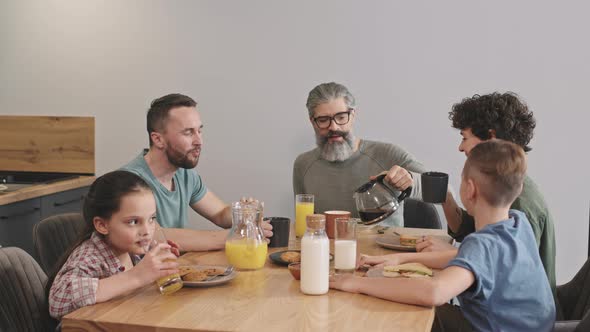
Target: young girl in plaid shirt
120,215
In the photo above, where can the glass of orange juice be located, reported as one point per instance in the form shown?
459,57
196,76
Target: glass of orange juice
171,283
304,205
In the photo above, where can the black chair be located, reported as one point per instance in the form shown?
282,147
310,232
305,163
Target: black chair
23,304
6,323
584,324
573,301
573,325
54,235
418,214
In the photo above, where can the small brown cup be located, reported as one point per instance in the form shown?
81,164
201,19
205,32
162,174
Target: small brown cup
330,218
295,269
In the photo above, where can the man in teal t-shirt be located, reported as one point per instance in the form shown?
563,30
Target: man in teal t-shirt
172,205
174,128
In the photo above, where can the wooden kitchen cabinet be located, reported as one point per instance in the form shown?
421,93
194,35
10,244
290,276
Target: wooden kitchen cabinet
17,219
50,168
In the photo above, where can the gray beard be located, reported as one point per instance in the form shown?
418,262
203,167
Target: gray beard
337,151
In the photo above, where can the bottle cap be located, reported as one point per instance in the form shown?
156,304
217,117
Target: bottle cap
315,221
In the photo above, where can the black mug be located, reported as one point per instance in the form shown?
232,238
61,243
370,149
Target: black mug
434,187
280,231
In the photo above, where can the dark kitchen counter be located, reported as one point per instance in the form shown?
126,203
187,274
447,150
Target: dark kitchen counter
17,193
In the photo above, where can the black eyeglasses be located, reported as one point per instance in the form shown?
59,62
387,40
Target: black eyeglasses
341,118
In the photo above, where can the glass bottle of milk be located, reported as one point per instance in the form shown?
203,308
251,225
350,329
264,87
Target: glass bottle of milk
315,257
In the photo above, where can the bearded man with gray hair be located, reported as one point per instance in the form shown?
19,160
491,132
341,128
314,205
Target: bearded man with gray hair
342,162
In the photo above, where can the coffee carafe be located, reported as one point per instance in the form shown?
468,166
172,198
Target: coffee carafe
375,201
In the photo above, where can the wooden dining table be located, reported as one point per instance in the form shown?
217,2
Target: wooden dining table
268,299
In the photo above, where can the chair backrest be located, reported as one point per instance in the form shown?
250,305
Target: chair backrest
418,214
584,324
573,302
22,292
573,297
6,323
54,235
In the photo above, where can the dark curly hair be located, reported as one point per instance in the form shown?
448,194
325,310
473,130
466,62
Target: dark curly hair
504,113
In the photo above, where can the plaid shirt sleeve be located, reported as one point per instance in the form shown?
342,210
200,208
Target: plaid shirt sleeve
72,289
76,283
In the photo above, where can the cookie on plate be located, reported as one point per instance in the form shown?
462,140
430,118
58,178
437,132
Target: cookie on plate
195,276
184,270
291,256
214,271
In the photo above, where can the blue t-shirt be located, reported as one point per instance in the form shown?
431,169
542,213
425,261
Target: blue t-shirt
172,206
511,291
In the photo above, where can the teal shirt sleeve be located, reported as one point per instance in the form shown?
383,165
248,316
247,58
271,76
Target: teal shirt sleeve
198,187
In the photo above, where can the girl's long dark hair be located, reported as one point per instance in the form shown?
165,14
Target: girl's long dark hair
103,200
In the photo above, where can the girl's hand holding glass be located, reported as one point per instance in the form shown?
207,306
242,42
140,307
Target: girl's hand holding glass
161,264
158,262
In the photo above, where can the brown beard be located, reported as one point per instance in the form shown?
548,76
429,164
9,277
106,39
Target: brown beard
181,160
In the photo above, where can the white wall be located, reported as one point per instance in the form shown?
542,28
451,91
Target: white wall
251,64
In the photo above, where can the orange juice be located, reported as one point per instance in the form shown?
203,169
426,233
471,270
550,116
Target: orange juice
171,283
246,254
302,209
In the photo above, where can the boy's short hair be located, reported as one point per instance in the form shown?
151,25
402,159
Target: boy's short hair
498,167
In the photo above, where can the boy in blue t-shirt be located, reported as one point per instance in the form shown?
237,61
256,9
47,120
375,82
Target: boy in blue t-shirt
497,273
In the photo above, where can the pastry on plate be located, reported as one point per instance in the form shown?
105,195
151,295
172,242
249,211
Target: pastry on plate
291,256
408,240
195,276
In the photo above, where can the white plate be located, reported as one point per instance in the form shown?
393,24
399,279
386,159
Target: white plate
391,241
213,282
3,187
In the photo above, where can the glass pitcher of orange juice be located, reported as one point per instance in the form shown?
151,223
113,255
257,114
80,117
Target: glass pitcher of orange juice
246,247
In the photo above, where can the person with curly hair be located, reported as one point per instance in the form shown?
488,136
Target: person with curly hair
502,116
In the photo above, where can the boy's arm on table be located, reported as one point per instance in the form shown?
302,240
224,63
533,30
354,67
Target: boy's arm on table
434,291
435,259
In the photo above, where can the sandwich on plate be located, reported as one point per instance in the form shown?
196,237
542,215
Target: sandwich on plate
408,240
408,270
